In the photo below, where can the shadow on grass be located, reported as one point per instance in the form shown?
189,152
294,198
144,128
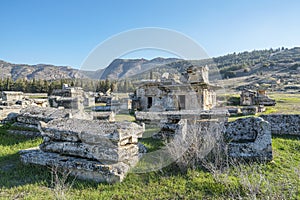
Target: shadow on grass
8,139
13,173
288,137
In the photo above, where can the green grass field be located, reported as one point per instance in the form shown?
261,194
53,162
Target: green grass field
279,179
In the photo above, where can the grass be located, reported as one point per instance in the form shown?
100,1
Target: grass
124,117
285,104
278,179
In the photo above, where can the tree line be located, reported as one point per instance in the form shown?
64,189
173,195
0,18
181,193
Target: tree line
47,86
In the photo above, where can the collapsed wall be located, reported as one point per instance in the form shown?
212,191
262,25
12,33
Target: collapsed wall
90,149
283,124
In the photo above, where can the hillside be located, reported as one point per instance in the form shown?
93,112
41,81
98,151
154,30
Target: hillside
275,69
126,68
40,71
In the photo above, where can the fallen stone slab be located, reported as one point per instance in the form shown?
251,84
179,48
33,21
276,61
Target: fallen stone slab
107,153
79,167
92,132
33,115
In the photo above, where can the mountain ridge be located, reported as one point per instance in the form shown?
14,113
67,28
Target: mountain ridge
230,66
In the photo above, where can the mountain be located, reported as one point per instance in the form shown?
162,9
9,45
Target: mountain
40,71
255,67
125,68
119,68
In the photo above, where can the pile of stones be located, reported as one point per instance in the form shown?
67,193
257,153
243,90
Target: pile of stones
90,149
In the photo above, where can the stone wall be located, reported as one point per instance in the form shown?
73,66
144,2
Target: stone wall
92,150
283,124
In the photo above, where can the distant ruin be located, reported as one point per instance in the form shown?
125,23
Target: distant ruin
71,98
189,92
259,97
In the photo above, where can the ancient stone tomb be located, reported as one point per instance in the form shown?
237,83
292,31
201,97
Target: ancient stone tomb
89,149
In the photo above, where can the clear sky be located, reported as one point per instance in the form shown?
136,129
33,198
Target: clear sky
64,32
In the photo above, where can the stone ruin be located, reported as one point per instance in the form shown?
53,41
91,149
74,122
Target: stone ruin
246,138
168,121
249,139
71,98
192,92
28,119
91,150
11,102
259,97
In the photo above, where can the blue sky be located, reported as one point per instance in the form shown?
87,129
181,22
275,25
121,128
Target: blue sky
64,32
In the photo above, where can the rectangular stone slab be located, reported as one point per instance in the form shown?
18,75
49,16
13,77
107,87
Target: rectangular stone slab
81,168
105,153
34,114
92,132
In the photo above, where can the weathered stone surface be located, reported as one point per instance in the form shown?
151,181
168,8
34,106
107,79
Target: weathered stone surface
195,141
249,138
27,133
85,145
169,120
190,92
283,124
6,112
110,116
234,111
108,153
260,97
249,110
81,168
183,114
92,132
33,115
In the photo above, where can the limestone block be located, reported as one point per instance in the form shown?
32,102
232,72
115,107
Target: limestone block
105,153
79,167
33,115
249,138
92,131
